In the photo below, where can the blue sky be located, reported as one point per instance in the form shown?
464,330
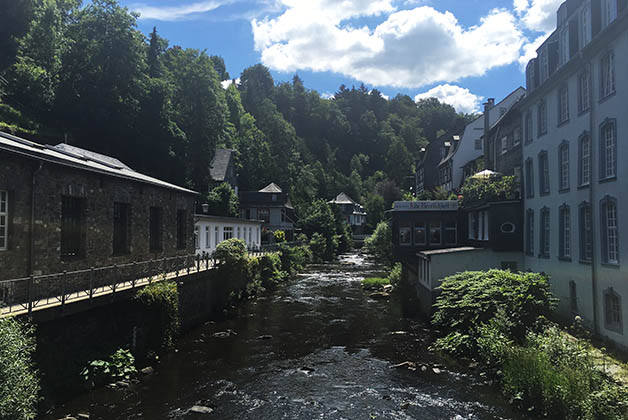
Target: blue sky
461,51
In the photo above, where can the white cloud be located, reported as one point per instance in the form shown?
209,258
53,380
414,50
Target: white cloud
179,12
327,95
410,48
460,98
529,50
537,15
226,83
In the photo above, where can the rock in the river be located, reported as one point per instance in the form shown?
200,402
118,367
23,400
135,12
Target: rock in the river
265,337
405,365
82,416
436,370
379,295
148,370
225,334
387,288
201,409
307,369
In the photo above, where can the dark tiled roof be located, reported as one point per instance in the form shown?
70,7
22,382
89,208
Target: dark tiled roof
75,157
219,164
343,198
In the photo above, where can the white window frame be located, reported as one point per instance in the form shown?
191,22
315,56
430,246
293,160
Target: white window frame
4,220
585,25
563,175
609,163
197,237
607,74
227,232
585,160
565,226
611,228
207,236
563,104
564,46
584,96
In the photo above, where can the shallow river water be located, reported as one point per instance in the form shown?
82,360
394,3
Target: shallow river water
316,348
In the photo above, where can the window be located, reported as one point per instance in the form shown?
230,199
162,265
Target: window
542,117
420,237
529,178
563,47
71,227
155,228
609,12
608,150
238,232
473,225
516,136
207,236
612,311
607,69
584,161
544,242
564,244
478,144
250,236
120,228
227,232
405,234
544,187
4,220
544,64
181,229
584,98
530,232
484,216
610,240
197,237
435,233
263,214
528,126
451,233
563,166
504,144
563,105
573,297
216,240
585,25
586,233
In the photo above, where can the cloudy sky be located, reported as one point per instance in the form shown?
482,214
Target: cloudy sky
460,51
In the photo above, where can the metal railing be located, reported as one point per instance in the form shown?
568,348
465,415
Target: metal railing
24,295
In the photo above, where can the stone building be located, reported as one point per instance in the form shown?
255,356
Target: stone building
65,208
574,175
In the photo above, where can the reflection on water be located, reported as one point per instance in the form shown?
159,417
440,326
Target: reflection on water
317,348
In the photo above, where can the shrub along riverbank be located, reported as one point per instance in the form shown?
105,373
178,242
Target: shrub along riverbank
500,319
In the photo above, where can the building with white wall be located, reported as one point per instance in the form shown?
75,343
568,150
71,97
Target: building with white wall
471,145
575,180
209,231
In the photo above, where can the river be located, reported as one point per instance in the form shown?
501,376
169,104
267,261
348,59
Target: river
316,348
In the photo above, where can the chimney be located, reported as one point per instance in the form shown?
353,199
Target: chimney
490,104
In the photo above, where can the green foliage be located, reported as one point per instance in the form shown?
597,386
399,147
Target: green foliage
555,374
231,252
394,277
120,365
469,299
279,236
161,300
318,246
223,201
270,270
488,189
379,244
19,382
375,282
345,238
294,258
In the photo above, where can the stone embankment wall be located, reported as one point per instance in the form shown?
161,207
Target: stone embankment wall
65,344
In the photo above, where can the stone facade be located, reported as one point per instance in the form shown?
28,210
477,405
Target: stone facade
97,194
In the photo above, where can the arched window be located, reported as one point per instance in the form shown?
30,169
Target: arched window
608,150
563,166
584,160
609,230
612,311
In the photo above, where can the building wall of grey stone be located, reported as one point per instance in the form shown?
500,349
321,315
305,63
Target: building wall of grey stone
98,194
592,280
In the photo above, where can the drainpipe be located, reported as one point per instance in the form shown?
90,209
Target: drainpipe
31,255
591,195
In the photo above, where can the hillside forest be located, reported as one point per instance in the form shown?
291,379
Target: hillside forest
84,74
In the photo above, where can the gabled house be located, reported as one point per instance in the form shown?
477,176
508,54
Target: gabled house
427,174
270,205
352,212
222,169
471,145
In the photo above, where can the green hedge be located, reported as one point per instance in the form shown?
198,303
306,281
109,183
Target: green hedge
162,302
19,382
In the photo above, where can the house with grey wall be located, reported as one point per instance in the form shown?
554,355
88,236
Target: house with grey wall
574,176
270,205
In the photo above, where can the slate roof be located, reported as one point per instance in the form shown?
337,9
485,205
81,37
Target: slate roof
271,188
219,164
342,198
75,157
